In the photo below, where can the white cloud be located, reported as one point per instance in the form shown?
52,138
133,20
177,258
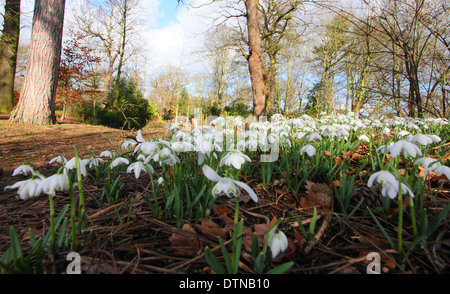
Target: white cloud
178,43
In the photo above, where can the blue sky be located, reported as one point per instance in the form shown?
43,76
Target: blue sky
167,12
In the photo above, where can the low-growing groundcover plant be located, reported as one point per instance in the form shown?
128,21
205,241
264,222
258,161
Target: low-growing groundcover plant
278,195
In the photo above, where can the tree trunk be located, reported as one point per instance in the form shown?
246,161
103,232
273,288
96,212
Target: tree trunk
254,59
37,97
8,54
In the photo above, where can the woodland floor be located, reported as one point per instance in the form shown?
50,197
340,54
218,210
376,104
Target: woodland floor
126,238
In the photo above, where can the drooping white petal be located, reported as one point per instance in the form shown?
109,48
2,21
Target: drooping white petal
211,174
249,190
443,170
23,170
139,137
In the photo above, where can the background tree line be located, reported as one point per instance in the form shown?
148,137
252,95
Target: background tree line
261,57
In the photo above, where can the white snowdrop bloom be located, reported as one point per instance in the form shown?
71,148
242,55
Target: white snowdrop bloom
148,148
182,147
299,135
173,128
141,157
252,144
23,169
226,186
390,184
428,163
386,131
364,138
408,149
251,135
71,164
95,161
28,188
160,181
55,183
285,142
235,159
139,137
107,153
423,139
277,242
218,122
241,144
315,136
137,167
403,133
181,136
442,170
127,144
59,159
165,156
308,149
119,160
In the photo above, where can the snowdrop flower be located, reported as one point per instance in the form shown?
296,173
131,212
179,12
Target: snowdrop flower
408,148
364,138
315,136
107,153
165,156
234,158
277,242
71,164
95,161
59,159
52,184
402,134
386,131
28,188
148,148
226,186
252,144
182,146
119,160
173,128
443,170
390,185
138,167
23,170
139,137
309,149
423,139
428,163
127,144
160,181
299,135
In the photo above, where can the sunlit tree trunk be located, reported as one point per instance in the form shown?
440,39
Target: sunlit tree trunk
254,59
37,97
8,53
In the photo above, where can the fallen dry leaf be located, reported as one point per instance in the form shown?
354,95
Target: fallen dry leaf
184,244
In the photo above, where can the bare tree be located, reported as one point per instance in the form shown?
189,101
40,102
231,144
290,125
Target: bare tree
37,97
113,28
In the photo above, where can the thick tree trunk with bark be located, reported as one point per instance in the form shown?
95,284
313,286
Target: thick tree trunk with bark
37,97
8,54
254,59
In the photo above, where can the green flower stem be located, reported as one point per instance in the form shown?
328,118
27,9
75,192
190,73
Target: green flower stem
413,215
72,215
52,222
80,186
400,220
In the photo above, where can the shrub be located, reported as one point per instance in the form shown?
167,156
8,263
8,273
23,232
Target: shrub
126,108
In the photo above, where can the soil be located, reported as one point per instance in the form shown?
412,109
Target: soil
39,144
125,236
